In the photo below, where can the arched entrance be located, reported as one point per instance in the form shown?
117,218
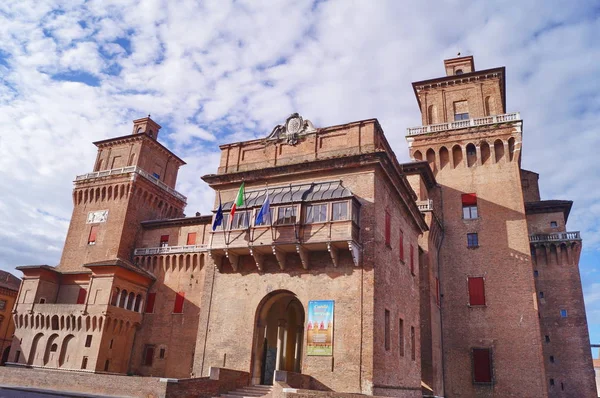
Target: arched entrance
278,336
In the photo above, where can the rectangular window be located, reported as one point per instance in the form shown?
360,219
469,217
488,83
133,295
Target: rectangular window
547,338
401,246
224,223
2,305
179,299
552,382
240,220
461,110
355,213
88,340
92,236
437,291
387,330
413,345
388,228
286,215
106,365
150,303
161,353
81,296
469,205
472,240
541,294
339,211
84,363
563,313
191,238
148,355
316,213
551,358
482,365
476,291
536,273
553,224
164,240
266,220
412,259
401,336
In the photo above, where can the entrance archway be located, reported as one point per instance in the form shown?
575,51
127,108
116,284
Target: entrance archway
278,336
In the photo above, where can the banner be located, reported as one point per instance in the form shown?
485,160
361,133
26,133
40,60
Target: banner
319,330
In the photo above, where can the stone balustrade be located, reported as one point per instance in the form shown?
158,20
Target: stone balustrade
149,251
462,124
555,237
425,205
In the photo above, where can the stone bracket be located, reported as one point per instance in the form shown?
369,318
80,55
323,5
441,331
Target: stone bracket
216,259
355,252
280,256
334,253
234,259
303,256
259,258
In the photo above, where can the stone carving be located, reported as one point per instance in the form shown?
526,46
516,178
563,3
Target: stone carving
292,129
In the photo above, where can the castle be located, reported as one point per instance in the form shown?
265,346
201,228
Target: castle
445,276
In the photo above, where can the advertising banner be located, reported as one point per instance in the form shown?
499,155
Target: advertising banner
319,330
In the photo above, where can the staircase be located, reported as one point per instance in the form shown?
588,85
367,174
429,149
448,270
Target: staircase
249,392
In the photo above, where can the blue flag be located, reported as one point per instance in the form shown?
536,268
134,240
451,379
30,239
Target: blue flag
264,211
219,216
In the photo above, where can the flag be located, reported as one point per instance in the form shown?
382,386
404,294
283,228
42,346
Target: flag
239,201
219,215
264,211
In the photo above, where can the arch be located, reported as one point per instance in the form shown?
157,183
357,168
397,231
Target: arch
498,150
138,302
123,299
85,196
432,114
79,323
430,156
103,194
33,349
511,148
114,300
62,322
194,262
444,157
97,194
279,314
564,255
553,255
110,189
64,349
87,323
457,156
68,322
418,155
471,155
79,196
130,300
188,261
100,322
489,106
55,322
26,321
94,323
49,353
485,152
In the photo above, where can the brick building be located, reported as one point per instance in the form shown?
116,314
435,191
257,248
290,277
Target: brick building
9,287
446,275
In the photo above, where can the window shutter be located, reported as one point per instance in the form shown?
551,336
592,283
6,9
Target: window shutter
469,199
401,246
150,303
149,356
93,233
81,296
164,239
388,227
482,365
476,291
178,309
191,239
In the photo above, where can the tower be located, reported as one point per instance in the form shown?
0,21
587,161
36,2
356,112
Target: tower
491,333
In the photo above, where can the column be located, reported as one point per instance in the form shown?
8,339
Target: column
298,350
281,334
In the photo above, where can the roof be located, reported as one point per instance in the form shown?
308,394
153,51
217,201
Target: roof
139,136
9,281
549,206
197,220
420,167
310,192
122,264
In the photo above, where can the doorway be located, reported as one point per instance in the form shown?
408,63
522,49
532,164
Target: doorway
278,336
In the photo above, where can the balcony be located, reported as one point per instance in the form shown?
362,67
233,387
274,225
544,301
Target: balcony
150,251
128,170
556,237
463,124
425,205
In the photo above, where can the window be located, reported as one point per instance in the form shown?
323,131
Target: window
164,240
81,296
551,358
161,353
437,291
42,300
240,220
88,341
191,239
472,240
387,330
563,313
148,355
476,291
413,346
156,175
150,303
551,382
2,305
401,336
54,347
553,224
286,215
84,363
412,259
469,205
562,386
401,246
482,365
111,344
547,338
92,236
461,116
458,72
224,222
266,220
106,365
316,213
355,213
541,295
536,273
339,211
461,110
471,151
388,227
179,299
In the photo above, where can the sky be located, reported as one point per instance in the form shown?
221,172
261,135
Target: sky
212,72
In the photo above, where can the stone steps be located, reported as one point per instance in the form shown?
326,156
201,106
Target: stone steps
257,391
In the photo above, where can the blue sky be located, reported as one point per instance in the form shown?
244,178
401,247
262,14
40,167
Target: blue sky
210,72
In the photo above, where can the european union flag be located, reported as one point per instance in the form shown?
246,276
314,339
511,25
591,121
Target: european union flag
219,216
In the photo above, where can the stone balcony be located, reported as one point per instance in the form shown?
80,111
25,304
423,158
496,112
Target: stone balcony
463,124
151,251
555,237
425,205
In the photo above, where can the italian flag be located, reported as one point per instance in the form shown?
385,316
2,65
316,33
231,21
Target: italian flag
239,201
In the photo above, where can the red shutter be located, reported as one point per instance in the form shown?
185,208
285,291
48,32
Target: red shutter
401,246
93,232
191,240
388,228
149,356
469,199
150,303
476,291
412,259
81,296
178,308
164,239
482,365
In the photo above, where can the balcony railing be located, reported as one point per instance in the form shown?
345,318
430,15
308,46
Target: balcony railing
425,205
169,250
462,124
131,169
556,237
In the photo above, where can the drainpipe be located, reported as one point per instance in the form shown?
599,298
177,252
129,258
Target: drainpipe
441,295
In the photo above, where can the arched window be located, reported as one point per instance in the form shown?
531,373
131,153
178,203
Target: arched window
511,148
115,297
499,150
55,322
123,298
418,155
138,302
431,158
444,157
130,300
485,152
457,156
471,155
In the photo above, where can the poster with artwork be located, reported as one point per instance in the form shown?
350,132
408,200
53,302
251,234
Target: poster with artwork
319,329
